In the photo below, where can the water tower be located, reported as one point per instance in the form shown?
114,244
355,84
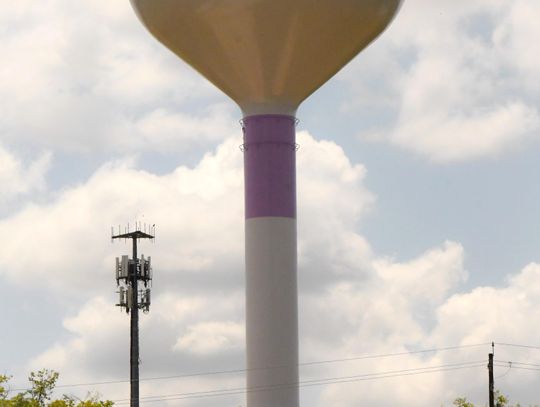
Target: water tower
268,56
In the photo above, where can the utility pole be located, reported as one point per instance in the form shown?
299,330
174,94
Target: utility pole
128,274
491,380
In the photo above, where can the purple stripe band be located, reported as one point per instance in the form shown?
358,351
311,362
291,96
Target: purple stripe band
270,166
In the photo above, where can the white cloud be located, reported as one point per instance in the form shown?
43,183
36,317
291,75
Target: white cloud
73,84
465,84
198,212
453,82
331,198
394,305
352,301
94,327
196,202
163,129
18,178
353,318
210,337
85,77
514,37
198,292
488,312
462,137
398,311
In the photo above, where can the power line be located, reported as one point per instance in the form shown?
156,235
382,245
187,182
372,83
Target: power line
518,363
522,368
243,391
309,363
392,372
333,380
507,371
387,355
373,374
310,383
514,345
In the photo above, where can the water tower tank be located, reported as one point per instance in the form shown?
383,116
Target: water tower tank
268,56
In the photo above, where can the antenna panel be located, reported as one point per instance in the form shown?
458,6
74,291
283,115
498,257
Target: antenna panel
122,293
146,301
129,298
142,267
125,267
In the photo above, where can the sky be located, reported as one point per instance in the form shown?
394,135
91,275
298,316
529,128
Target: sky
417,209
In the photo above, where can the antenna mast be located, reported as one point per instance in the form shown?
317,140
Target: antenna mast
129,272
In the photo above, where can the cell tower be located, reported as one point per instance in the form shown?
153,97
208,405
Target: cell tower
134,296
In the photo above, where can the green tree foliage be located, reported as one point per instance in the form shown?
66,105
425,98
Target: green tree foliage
462,402
3,389
42,384
500,401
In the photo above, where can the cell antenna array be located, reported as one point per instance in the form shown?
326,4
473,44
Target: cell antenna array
134,282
